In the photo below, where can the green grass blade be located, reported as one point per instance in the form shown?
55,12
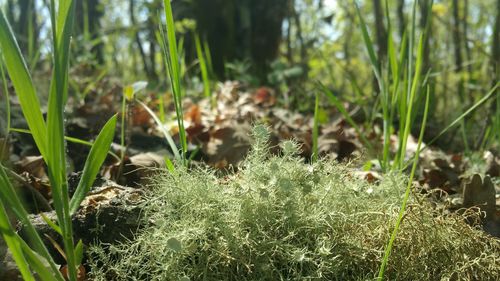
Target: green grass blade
343,111
203,67
393,59
411,103
170,44
7,97
23,84
165,132
96,157
12,241
467,112
208,57
51,223
169,165
22,253
315,150
368,42
9,196
79,252
38,266
56,161
402,210
70,139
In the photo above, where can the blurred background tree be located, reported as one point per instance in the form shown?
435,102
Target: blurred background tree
286,44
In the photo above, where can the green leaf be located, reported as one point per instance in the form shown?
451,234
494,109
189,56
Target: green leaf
23,84
50,223
467,112
174,245
203,66
79,252
170,166
12,241
9,196
70,139
165,132
93,163
315,151
38,266
131,90
369,46
128,92
171,55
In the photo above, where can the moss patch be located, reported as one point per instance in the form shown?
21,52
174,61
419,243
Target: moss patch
282,219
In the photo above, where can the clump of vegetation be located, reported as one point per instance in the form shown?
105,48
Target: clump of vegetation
282,219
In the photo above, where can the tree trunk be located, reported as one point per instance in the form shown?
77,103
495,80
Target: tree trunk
267,18
241,29
152,23
495,70
457,45
381,39
401,17
95,12
465,26
495,47
300,37
425,24
25,25
380,31
137,38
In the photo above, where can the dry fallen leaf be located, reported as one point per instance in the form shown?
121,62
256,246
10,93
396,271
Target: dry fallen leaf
480,193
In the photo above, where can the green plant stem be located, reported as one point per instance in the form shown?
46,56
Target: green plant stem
56,160
3,149
203,68
315,151
402,210
9,196
70,139
414,89
7,98
123,128
491,93
172,61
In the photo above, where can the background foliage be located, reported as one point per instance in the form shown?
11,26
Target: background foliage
289,44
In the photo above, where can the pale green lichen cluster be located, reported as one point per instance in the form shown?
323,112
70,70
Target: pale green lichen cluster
282,219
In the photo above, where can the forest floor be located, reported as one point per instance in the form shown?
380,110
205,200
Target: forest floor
219,136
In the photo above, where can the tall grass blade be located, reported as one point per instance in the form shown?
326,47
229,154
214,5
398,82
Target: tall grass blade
402,210
56,162
12,240
165,132
7,97
96,157
208,57
315,150
38,266
172,60
23,85
411,103
8,196
467,112
368,42
334,100
203,67
70,139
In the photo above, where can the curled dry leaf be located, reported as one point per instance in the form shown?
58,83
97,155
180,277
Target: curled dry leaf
264,96
480,193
